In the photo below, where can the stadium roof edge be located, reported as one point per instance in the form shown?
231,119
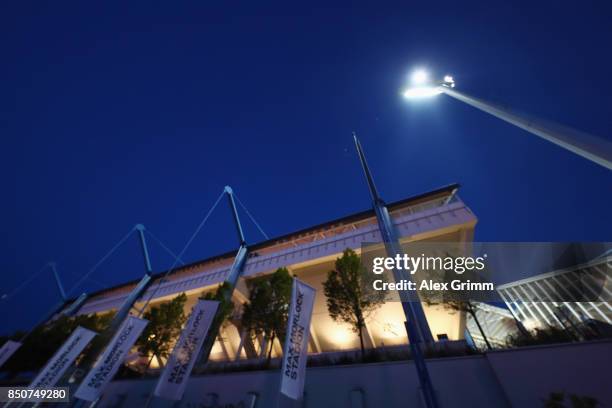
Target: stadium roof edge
346,219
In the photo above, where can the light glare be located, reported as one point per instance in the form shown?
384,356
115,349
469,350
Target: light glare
419,76
422,92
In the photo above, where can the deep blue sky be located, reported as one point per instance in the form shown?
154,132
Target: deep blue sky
112,115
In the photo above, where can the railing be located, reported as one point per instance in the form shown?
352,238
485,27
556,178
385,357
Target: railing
438,212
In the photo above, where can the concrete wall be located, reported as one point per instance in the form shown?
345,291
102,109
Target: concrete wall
517,378
530,374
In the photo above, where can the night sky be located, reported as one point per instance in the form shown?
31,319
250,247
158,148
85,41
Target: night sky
112,115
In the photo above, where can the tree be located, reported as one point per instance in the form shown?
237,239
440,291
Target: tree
350,294
44,340
267,311
465,306
223,295
456,301
557,400
540,335
165,323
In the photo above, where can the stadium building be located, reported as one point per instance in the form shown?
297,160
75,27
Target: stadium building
438,215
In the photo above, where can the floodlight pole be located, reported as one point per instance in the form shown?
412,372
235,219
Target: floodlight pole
416,323
410,301
597,151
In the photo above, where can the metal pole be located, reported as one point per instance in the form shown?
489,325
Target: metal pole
410,300
473,313
230,196
237,266
76,305
97,347
140,288
60,287
241,256
591,148
143,245
232,278
416,322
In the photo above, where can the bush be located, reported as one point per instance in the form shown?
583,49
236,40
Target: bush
40,345
557,400
588,330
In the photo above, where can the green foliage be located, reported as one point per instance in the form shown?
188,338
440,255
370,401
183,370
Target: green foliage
557,400
582,401
165,323
547,335
463,306
582,331
267,312
554,400
350,295
223,295
40,345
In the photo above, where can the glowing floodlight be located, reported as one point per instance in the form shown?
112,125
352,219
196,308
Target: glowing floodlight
422,87
591,148
419,77
422,92
448,81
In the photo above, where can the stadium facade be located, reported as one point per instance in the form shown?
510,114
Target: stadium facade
309,254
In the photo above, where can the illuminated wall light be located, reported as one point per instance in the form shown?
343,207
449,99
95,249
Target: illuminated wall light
340,336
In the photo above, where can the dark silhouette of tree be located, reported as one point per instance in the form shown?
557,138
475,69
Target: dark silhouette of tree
267,311
557,400
40,345
223,295
350,294
165,323
464,306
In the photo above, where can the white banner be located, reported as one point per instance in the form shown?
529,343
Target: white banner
107,365
295,352
172,383
63,358
7,350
